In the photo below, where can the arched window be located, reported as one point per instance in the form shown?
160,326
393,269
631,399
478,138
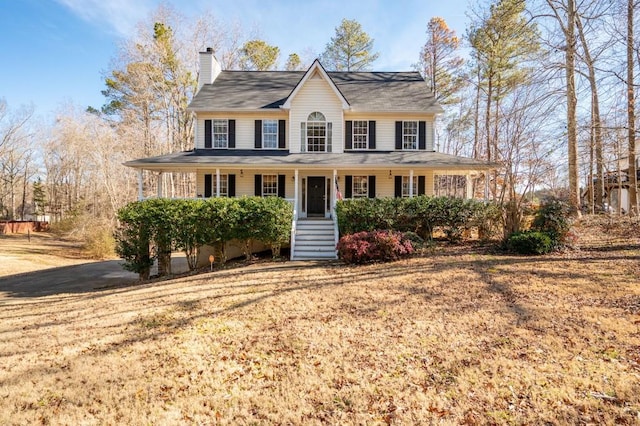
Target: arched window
316,133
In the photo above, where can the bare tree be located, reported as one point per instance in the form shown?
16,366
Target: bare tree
631,121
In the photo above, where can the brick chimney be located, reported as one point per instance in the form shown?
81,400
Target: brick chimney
209,68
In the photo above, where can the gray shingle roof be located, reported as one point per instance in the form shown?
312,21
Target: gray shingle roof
201,158
365,91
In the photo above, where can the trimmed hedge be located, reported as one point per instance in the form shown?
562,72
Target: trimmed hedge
418,214
151,229
530,242
374,246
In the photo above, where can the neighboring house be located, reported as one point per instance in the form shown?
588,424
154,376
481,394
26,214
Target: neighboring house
313,137
616,185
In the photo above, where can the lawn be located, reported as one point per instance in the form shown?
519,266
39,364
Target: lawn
462,335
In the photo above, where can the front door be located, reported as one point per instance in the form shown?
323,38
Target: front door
316,196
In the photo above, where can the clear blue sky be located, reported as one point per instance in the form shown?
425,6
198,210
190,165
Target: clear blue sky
56,51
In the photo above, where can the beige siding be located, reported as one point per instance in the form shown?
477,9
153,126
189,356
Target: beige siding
385,185
245,126
302,106
245,185
316,95
386,128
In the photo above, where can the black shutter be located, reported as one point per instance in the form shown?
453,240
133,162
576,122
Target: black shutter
232,133
422,135
398,187
231,189
398,134
208,185
282,140
372,134
258,134
348,186
372,187
258,186
348,134
207,133
421,185
281,186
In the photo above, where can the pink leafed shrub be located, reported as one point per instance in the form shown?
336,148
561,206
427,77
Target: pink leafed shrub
374,246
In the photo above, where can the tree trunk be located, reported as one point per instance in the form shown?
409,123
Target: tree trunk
572,131
596,125
487,125
631,124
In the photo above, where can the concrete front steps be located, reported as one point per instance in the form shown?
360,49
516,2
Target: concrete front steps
314,240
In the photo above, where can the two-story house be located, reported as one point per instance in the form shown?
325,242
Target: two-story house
313,137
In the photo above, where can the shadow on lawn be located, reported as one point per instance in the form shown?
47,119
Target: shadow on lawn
196,294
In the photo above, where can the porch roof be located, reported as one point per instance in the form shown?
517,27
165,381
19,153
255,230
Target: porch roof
208,158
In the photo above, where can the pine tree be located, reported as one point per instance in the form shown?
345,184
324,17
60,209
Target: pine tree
351,49
257,55
439,63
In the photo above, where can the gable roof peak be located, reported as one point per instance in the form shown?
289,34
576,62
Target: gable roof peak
316,68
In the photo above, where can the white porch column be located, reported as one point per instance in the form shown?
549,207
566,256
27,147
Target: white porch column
296,207
140,193
334,190
486,185
469,187
411,183
217,182
160,185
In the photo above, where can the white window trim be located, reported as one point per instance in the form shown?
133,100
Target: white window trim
213,133
415,186
366,186
263,182
327,132
223,178
417,135
277,133
353,135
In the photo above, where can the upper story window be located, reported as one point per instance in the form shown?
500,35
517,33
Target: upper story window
409,135
220,134
316,133
360,187
269,185
270,134
405,186
360,134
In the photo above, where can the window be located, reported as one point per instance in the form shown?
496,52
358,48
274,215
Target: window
270,134
405,186
269,185
316,133
220,133
409,135
360,134
360,186
224,185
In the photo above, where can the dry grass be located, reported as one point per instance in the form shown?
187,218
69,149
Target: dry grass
463,336
19,255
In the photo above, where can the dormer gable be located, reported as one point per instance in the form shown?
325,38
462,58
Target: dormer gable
316,70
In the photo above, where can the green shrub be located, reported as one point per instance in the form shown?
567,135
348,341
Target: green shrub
420,214
530,242
417,241
373,246
133,238
552,218
151,229
275,223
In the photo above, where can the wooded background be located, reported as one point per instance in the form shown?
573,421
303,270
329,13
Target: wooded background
545,88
